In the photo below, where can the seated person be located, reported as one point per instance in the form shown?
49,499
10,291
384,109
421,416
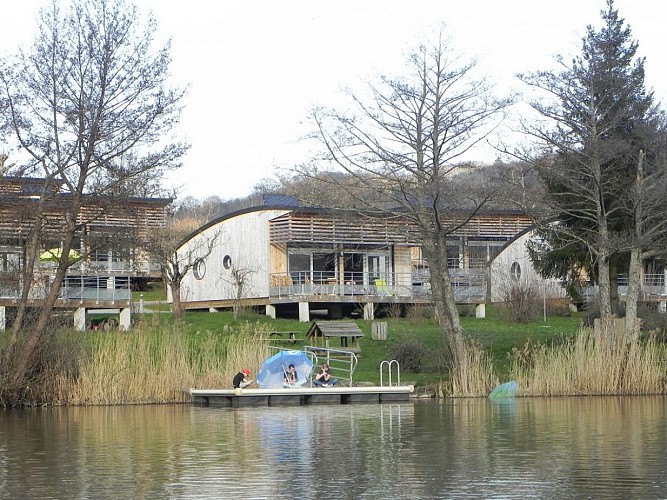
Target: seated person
241,379
324,378
291,379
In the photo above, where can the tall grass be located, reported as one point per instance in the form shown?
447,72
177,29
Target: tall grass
586,365
154,365
156,360
475,377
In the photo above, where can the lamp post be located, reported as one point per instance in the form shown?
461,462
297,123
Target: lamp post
544,299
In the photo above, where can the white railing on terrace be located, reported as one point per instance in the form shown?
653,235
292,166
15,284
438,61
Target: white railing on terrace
654,285
96,288
79,288
468,285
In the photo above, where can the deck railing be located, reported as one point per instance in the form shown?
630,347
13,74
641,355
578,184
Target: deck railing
96,288
77,288
653,286
467,285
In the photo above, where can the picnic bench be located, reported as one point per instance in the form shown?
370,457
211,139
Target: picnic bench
348,332
291,337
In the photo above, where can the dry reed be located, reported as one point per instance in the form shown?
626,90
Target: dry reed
153,366
591,364
475,377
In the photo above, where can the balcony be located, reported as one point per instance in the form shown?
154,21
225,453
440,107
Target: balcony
653,288
96,288
469,286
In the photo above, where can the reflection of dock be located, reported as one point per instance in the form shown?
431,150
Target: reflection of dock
230,398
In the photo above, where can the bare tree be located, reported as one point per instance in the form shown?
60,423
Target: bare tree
177,261
401,148
89,106
202,211
240,278
646,237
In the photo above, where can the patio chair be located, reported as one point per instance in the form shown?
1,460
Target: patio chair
381,288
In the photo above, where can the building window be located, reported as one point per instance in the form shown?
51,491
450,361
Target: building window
199,268
227,262
515,271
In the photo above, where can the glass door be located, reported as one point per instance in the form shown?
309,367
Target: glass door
378,268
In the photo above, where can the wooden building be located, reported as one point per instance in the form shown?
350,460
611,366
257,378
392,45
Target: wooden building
307,262
107,244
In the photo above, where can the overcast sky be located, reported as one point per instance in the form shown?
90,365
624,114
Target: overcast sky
256,67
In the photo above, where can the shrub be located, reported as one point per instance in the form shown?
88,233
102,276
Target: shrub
559,308
653,321
411,354
56,354
394,311
519,299
418,313
520,303
466,310
591,312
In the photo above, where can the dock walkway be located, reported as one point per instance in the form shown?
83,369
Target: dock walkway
235,398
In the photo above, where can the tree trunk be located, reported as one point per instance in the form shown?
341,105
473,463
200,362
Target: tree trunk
604,283
179,313
26,276
28,271
632,296
445,304
37,330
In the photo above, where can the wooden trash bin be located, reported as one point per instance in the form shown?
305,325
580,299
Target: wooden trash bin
379,330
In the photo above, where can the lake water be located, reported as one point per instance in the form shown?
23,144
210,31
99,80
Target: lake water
598,447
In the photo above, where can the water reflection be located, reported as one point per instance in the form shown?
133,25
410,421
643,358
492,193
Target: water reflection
546,448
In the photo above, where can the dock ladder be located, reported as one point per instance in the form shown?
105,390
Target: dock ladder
389,365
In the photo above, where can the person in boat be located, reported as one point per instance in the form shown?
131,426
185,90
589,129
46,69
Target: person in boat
241,379
324,378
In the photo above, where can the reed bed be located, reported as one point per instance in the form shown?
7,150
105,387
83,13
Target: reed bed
154,365
475,377
591,364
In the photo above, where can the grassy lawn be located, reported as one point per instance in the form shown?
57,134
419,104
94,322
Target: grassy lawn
155,292
498,337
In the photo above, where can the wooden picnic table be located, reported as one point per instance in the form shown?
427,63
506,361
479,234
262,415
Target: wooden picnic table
348,332
291,337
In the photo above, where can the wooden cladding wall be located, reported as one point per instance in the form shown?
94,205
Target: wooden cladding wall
305,228
299,228
278,259
498,226
18,219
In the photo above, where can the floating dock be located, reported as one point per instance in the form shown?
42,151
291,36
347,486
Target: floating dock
235,398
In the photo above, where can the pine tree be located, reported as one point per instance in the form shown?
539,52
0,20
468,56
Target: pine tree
598,121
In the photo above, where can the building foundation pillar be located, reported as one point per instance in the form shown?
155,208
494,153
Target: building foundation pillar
304,312
80,319
125,319
480,311
369,310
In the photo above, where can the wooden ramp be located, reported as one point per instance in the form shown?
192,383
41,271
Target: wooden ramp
235,398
